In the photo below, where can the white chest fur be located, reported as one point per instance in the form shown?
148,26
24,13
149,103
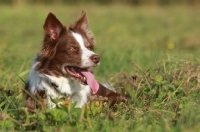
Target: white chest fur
65,86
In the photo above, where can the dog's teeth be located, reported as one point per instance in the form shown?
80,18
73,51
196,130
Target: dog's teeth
84,79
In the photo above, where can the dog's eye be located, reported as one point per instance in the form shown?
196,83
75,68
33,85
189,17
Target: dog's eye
90,48
73,49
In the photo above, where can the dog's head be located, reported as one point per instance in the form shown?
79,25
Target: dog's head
68,51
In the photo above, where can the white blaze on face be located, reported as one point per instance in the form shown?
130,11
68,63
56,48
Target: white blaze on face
86,54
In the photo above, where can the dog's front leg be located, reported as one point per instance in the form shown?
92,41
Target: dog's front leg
113,97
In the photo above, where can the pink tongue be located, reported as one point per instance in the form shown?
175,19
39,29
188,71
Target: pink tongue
91,81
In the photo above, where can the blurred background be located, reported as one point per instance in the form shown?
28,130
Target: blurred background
131,2
127,32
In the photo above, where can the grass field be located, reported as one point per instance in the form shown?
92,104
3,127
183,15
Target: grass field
151,54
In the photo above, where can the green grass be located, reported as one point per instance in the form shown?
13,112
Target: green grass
150,54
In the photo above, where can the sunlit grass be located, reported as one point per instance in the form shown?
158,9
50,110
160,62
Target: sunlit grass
151,54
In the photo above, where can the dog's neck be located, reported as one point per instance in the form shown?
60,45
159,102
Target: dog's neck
58,87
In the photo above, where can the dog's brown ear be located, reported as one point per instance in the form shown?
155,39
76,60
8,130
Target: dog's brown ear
52,27
81,26
81,23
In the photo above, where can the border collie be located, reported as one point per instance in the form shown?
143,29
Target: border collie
63,67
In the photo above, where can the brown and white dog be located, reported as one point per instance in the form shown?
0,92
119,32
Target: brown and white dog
63,67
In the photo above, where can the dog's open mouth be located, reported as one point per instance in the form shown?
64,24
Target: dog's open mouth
83,76
75,72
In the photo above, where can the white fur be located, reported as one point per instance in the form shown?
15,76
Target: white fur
75,91
86,53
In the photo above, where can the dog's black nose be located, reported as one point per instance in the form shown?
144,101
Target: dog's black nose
95,58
